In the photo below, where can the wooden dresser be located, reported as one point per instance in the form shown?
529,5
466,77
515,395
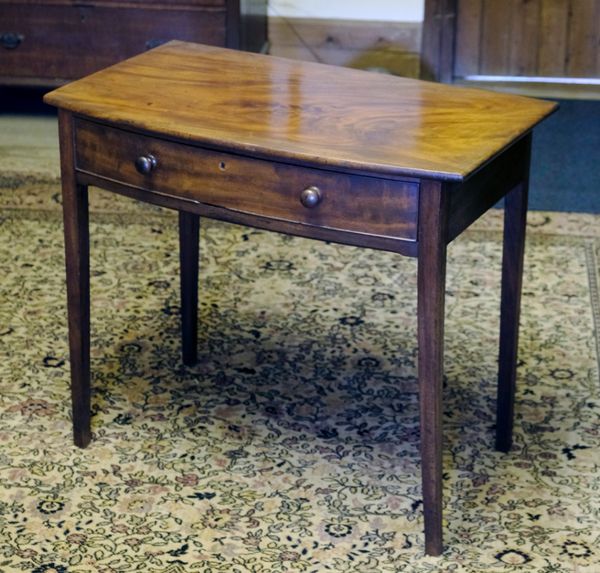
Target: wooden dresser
49,42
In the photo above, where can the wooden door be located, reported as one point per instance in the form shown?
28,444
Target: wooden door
468,39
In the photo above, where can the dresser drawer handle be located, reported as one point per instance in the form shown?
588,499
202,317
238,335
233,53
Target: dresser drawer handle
145,164
311,197
10,40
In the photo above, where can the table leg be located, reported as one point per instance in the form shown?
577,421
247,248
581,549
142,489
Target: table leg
515,213
431,294
189,235
76,229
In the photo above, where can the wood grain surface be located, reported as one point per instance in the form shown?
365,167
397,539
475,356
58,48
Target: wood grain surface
548,38
62,42
304,112
305,149
383,207
110,3
553,35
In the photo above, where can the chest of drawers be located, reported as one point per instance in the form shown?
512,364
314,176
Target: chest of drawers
51,42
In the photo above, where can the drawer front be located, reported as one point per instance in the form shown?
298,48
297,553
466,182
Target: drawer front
67,42
360,204
186,3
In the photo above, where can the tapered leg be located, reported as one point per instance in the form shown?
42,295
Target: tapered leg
431,286
189,229
512,273
75,214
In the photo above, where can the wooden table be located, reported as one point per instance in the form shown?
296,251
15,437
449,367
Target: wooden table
310,150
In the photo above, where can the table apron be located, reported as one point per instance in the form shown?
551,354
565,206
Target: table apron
404,247
350,208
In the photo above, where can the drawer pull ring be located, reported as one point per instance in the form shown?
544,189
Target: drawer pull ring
311,197
10,40
145,164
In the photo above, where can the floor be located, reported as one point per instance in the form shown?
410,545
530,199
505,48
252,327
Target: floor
293,445
278,451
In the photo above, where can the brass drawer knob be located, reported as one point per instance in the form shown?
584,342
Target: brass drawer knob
145,164
311,197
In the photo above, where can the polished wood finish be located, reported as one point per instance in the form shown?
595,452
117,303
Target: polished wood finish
401,246
77,257
271,189
411,129
308,150
63,40
431,281
466,201
515,216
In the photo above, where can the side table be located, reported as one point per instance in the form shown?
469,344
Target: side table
309,150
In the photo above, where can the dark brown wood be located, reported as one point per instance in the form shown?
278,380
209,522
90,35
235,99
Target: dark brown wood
189,240
75,211
515,215
164,4
383,207
431,284
472,198
400,246
65,40
308,150
438,40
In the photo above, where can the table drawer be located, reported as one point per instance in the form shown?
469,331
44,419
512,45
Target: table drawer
355,203
66,42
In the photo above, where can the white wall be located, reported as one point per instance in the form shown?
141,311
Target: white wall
385,10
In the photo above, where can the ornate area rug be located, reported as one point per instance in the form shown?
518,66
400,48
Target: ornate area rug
293,445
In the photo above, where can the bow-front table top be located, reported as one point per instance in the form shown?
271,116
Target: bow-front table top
311,150
304,112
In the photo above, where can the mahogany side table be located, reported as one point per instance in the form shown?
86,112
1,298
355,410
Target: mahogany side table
310,150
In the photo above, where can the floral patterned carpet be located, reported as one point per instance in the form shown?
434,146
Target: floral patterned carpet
293,445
